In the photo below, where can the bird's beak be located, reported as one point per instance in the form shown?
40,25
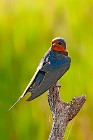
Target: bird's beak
53,44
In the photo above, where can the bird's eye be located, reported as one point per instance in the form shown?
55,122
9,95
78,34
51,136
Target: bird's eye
60,43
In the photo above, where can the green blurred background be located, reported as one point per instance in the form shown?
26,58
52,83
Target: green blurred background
26,30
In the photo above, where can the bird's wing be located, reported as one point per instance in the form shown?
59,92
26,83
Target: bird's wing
48,75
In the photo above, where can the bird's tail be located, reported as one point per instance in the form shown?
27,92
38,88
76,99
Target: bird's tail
24,93
14,104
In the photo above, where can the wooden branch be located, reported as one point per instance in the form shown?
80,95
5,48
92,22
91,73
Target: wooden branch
62,112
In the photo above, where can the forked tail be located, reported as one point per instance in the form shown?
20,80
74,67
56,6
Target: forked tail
24,93
14,104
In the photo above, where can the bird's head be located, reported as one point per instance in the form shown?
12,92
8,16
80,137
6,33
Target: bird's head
59,44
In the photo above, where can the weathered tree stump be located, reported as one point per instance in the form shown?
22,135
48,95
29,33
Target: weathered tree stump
62,112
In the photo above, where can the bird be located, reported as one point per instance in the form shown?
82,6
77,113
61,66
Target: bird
51,68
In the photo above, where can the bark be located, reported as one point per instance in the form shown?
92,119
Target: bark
62,112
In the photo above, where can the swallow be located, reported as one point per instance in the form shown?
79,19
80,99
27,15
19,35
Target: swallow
51,68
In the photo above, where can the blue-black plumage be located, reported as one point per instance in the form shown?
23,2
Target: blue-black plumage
51,68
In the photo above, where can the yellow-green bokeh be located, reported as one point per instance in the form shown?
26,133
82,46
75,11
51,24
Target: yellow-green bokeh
26,30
